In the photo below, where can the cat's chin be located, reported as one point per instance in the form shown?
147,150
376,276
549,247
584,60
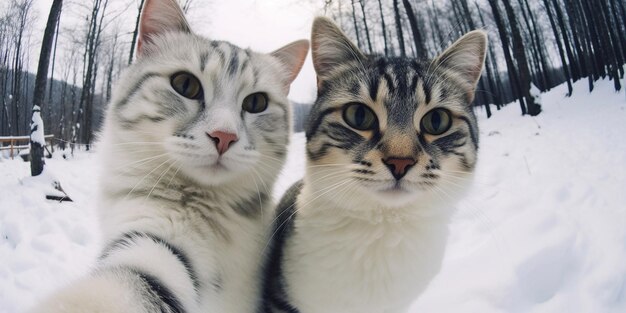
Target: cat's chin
393,195
396,197
213,175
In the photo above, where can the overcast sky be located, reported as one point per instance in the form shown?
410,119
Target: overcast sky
263,25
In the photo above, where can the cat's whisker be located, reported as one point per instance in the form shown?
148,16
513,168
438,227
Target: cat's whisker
465,174
173,176
316,192
258,192
135,149
477,213
461,179
452,182
278,227
346,191
138,153
326,165
138,143
333,174
457,177
265,187
143,178
269,158
159,179
139,162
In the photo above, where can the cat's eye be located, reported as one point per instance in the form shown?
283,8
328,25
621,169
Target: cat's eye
360,116
186,85
436,122
255,103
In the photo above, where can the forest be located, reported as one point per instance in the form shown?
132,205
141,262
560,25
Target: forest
541,43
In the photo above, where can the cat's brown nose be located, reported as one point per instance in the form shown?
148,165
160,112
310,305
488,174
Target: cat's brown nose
399,166
222,140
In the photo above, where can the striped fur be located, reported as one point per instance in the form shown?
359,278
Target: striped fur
184,224
353,236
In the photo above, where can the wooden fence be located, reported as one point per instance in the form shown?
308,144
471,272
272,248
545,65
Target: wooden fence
14,144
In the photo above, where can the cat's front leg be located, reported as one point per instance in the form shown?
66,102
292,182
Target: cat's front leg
114,290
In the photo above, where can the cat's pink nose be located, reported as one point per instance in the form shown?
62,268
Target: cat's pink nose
222,140
399,166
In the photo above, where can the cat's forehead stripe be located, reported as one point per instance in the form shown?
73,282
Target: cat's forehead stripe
233,63
133,90
204,59
391,85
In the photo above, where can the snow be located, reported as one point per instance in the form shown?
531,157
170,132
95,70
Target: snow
44,244
535,93
37,128
542,230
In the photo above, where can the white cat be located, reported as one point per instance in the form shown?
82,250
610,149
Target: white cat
194,138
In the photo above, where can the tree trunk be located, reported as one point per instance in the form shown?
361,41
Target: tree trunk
382,21
540,49
37,140
356,27
86,97
135,33
433,12
521,60
50,107
533,51
511,70
367,31
612,56
574,23
420,51
564,63
594,35
573,62
396,11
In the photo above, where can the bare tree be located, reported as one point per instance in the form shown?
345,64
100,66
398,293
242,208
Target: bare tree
5,48
398,20
420,49
356,26
21,12
557,37
49,109
83,120
135,32
367,30
37,140
522,61
382,22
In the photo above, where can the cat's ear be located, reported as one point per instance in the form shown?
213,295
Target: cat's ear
331,48
292,57
466,57
158,17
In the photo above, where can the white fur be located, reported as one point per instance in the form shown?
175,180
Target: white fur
155,181
351,251
98,293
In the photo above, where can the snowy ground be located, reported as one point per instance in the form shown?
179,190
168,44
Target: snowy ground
543,230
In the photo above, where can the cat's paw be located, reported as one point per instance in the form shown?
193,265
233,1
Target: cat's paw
95,294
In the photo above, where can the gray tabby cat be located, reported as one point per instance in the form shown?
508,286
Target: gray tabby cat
391,146
194,138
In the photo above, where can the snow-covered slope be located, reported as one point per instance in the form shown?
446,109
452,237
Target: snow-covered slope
44,244
543,229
